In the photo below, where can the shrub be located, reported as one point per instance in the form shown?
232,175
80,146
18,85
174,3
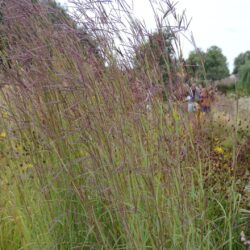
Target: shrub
226,88
244,73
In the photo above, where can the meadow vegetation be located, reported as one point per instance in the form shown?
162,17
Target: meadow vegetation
96,149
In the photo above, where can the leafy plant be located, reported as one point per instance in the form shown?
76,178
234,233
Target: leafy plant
240,60
244,73
213,62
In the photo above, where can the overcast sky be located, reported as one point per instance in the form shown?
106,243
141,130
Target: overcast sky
224,23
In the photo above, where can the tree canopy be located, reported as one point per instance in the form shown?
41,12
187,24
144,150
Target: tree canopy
216,64
213,60
195,64
158,48
240,60
244,74
158,53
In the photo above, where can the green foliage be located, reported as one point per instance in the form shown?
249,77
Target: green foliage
57,13
158,53
215,64
195,64
240,60
1,12
226,88
244,74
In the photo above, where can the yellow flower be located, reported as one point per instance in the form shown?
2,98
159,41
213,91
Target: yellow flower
26,167
29,165
176,115
3,134
5,114
219,150
82,152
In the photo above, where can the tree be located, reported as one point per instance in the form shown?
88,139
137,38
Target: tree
240,60
158,52
215,64
56,12
194,64
244,74
211,64
158,46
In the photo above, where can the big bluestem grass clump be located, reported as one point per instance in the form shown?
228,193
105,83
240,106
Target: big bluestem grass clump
97,151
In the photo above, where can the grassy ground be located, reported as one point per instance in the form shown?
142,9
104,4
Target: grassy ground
226,107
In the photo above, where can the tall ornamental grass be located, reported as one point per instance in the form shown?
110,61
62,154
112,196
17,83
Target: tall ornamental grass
96,150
